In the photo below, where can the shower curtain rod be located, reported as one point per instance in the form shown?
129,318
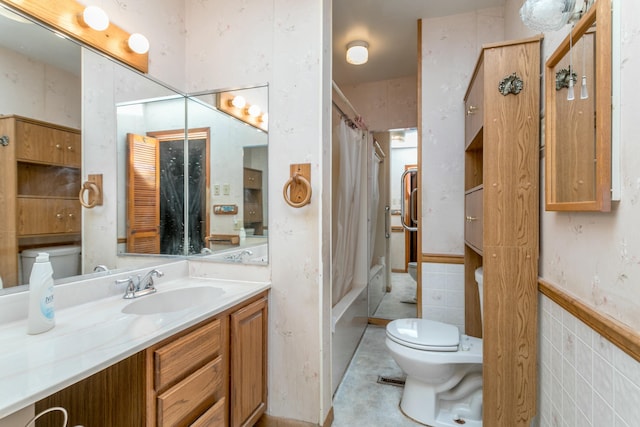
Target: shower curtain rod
357,119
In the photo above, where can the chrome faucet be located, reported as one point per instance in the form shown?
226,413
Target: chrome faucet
238,257
137,287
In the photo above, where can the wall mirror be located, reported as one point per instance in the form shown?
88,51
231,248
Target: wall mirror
578,130
69,86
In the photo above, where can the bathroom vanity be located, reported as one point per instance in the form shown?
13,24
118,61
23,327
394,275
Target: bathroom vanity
181,356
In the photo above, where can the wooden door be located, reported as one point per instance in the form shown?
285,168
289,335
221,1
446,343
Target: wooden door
143,195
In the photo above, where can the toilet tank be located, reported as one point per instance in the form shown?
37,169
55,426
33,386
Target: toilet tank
65,261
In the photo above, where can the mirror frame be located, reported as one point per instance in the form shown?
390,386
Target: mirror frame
600,14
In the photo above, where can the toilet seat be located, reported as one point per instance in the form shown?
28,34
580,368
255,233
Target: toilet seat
423,334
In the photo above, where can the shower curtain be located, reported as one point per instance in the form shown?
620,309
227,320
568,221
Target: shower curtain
352,151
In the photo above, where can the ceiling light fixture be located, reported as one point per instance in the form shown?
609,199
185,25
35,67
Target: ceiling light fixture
95,18
357,52
551,15
138,43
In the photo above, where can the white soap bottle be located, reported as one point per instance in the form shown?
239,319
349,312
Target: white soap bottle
41,310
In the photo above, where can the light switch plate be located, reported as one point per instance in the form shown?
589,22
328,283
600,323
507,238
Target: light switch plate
226,189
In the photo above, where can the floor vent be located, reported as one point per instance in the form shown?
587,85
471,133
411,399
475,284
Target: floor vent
398,382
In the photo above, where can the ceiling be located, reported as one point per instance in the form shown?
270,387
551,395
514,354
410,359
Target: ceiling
390,28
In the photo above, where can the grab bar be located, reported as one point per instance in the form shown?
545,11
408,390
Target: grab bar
387,213
402,192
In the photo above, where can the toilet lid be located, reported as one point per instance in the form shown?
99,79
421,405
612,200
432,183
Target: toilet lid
424,334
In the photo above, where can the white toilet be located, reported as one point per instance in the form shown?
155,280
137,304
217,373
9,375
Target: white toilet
65,261
444,370
412,269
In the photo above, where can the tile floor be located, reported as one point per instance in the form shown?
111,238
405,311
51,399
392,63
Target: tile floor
393,304
360,400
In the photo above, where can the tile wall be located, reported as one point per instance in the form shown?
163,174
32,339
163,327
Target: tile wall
585,380
443,293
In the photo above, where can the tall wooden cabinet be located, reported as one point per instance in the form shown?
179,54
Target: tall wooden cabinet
39,186
253,200
502,122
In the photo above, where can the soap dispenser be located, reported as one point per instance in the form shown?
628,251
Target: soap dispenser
41,311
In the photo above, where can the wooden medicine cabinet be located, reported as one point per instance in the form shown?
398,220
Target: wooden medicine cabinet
578,131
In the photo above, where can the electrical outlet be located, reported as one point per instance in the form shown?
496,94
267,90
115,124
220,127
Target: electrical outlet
216,189
226,189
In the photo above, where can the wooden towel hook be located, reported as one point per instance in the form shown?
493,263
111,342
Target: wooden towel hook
297,190
93,188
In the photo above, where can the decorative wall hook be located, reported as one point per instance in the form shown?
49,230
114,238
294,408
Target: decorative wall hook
511,84
297,190
564,76
93,188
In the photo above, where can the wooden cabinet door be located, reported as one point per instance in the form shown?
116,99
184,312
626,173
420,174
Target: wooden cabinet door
473,106
473,219
252,179
249,363
48,216
47,144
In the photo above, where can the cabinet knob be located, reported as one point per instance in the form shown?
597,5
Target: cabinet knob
59,216
471,110
71,215
471,218
58,146
69,148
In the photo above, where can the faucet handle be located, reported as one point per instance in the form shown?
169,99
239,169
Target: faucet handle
130,290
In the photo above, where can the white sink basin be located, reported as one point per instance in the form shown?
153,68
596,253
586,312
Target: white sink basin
176,300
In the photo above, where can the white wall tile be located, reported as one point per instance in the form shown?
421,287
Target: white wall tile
598,389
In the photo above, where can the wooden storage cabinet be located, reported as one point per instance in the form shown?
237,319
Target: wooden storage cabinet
213,374
39,185
252,203
501,192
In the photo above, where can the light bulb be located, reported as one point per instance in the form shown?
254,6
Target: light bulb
584,93
264,118
95,18
239,101
254,111
138,43
570,94
357,52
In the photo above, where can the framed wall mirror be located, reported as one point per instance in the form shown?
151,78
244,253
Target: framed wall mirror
578,127
77,92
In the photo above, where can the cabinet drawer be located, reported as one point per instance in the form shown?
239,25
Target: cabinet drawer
48,216
190,397
473,219
473,107
173,361
214,417
47,144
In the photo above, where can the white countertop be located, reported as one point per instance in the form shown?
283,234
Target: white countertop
94,335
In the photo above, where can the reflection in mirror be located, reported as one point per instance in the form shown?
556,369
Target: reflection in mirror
208,201
578,127
575,123
397,244
40,150
49,92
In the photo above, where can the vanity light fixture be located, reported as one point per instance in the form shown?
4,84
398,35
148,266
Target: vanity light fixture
264,118
138,43
238,101
357,52
95,18
551,15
